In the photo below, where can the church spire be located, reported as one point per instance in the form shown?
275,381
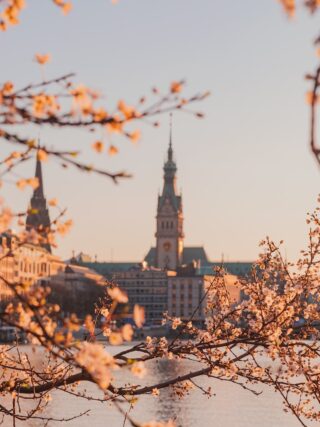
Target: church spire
169,188
170,150
38,214
38,174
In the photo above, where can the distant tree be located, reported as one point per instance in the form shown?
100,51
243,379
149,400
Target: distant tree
71,298
271,338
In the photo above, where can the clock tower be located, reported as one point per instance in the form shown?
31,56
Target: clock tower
169,234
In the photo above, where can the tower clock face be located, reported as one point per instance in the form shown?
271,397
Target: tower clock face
167,246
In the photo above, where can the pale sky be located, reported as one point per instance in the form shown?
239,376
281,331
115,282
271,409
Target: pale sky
245,170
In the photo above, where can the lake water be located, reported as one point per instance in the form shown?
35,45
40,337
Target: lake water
231,406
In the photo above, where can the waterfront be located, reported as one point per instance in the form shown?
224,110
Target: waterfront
231,406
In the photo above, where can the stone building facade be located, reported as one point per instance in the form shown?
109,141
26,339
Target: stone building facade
188,295
25,263
147,287
186,298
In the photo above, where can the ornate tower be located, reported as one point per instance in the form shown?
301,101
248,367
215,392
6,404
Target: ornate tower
38,214
169,232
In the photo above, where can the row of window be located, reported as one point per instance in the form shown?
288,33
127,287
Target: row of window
143,283
144,299
174,305
182,295
184,308
34,268
191,293
155,315
157,307
184,285
181,314
145,291
166,224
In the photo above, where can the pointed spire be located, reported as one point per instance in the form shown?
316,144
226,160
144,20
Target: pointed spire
38,192
170,167
170,150
38,214
169,188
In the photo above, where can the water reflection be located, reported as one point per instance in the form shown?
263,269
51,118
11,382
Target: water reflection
168,405
230,407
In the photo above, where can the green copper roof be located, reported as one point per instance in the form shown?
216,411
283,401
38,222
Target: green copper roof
198,253
107,269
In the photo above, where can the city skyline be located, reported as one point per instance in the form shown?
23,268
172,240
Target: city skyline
255,129
160,213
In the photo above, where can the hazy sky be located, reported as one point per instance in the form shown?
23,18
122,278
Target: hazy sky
245,170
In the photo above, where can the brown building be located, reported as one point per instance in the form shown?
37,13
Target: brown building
76,289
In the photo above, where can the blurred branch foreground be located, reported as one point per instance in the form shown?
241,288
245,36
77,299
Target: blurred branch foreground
276,320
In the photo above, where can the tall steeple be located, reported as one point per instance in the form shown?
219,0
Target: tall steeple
169,232
38,192
38,214
170,150
169,188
